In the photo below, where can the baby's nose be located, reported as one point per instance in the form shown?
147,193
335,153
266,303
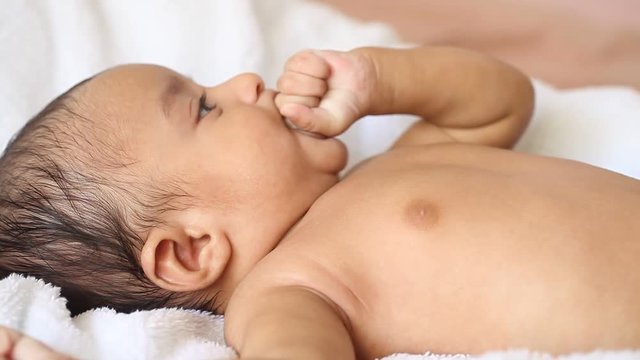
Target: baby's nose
249,86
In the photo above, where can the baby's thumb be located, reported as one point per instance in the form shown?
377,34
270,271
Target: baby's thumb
316,120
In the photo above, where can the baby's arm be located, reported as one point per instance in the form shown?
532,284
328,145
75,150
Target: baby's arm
462,95
287,323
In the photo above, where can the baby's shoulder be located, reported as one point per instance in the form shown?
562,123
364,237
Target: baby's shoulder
288,267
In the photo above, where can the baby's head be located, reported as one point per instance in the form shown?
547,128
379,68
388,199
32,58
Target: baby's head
139,188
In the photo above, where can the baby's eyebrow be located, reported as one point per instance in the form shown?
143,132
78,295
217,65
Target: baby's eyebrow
175,86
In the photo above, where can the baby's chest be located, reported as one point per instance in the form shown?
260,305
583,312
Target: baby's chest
388,211
416,249
406,247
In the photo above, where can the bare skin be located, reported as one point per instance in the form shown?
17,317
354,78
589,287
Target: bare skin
460,249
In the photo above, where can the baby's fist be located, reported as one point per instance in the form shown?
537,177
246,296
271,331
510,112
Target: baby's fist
325,91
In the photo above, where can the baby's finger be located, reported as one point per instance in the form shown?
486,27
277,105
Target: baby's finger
315,120
310,63
301,84
308,101
297,115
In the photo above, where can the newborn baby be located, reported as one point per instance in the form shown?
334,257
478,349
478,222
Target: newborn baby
140,188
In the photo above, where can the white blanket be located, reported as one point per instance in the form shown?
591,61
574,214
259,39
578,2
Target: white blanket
37,309
48,46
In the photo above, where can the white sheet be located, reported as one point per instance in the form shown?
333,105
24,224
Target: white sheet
35,308
48,46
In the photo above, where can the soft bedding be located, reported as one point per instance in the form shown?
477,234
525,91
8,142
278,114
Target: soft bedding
37,309
47,47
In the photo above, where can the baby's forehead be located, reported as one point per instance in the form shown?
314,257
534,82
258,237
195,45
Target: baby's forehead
111,107
125,79
125,108
125,90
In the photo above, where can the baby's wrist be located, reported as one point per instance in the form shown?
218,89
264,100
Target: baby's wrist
369,88
376,92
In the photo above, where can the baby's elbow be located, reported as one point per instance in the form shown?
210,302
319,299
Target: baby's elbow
526,99
522,107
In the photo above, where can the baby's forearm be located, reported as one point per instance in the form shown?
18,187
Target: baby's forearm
450,87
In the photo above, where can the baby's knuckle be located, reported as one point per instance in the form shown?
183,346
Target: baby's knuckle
286,83
323,87
295,63
331,129
335,126
302,59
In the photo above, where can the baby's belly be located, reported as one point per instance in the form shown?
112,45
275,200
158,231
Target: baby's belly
449,259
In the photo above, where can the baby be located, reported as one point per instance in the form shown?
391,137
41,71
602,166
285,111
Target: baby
140,188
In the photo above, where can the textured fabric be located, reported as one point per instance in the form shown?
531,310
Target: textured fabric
36,308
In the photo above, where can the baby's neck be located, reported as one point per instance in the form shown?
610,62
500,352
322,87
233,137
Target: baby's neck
285,237
229,281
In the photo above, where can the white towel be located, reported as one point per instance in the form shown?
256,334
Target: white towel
36,308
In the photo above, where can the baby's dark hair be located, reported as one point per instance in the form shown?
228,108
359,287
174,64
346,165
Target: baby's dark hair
67,219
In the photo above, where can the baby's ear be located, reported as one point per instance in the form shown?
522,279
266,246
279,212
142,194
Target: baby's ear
175,260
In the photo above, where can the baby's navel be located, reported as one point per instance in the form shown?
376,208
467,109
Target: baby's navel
422,214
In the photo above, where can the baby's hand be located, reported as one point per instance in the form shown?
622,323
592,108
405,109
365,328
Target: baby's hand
325,91
16,346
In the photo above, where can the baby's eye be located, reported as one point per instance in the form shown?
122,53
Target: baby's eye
204,108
